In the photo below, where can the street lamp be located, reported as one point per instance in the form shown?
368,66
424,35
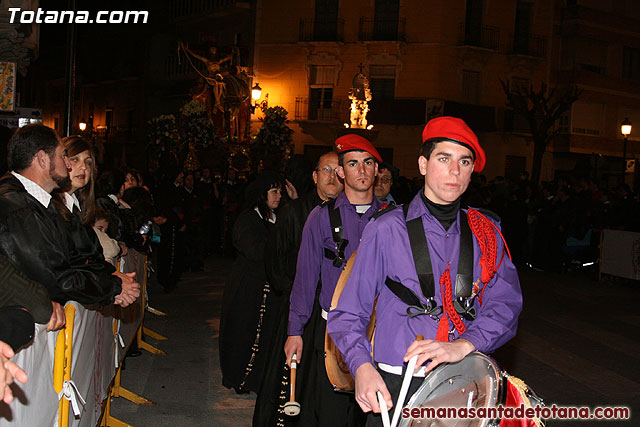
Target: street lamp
625,128
82,126
256,93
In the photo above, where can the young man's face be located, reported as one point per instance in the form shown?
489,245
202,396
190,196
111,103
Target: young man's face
447,172
359,170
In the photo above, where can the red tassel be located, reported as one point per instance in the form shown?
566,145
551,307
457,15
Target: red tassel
443,328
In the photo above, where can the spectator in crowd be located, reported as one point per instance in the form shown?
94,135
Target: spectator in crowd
387,175
131,179
110,247
249,308
76,204
109,186
8,372
192,206
31,233
17,290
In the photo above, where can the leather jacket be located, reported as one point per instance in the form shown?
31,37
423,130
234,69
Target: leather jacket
36,240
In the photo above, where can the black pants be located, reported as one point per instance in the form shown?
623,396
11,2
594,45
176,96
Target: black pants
393,382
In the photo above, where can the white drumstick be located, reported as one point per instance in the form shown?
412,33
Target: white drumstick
383,410
406,381
411,366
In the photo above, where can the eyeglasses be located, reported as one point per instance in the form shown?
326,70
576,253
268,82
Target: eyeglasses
326,171
384,180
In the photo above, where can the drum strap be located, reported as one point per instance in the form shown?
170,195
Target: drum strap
463,302
341,243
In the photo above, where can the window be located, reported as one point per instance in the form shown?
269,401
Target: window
591,55
473,22
109,119
471,87
326,20
564,122
320,103
323,75
382,81
631,63
520,85
523,27
321,82
385,21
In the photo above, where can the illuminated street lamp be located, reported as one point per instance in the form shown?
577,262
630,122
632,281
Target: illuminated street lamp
256,93
625,128
82,126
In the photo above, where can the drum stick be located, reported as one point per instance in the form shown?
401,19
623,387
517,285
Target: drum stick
292,408
383,410
406,381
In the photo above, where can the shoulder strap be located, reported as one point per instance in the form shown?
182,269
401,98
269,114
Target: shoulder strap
335,221
420,252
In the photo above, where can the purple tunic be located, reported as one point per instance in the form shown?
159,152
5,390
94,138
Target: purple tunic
313,265
385,252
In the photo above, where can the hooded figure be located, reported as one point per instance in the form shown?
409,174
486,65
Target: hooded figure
249,307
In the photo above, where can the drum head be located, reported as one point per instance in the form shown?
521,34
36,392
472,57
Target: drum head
471,383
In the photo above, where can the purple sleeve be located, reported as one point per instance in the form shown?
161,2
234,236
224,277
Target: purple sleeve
347,323
497,318
307,273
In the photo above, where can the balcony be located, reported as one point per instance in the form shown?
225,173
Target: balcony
326,111
321,31
530,45
486,37
382,30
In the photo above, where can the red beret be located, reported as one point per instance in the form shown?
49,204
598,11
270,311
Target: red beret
455,130
352,141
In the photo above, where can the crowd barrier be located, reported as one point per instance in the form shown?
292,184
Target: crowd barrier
73,372
620,254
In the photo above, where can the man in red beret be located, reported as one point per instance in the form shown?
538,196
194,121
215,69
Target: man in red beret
330,235
436,271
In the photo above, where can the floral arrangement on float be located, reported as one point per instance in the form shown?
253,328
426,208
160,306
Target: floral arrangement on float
196,126
163,132
273,145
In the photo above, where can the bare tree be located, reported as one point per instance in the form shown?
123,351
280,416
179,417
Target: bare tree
542,109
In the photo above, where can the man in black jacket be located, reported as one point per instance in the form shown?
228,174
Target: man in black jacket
281,254
32,234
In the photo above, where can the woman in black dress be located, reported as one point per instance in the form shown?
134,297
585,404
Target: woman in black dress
249,308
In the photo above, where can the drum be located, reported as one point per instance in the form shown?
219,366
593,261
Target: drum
337,370
474,382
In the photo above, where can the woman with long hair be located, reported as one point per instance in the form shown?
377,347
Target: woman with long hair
249,308
76,205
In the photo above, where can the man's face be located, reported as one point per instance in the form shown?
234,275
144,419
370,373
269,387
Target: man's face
383,184
58,167
359,170
447,173
188,181
325,178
